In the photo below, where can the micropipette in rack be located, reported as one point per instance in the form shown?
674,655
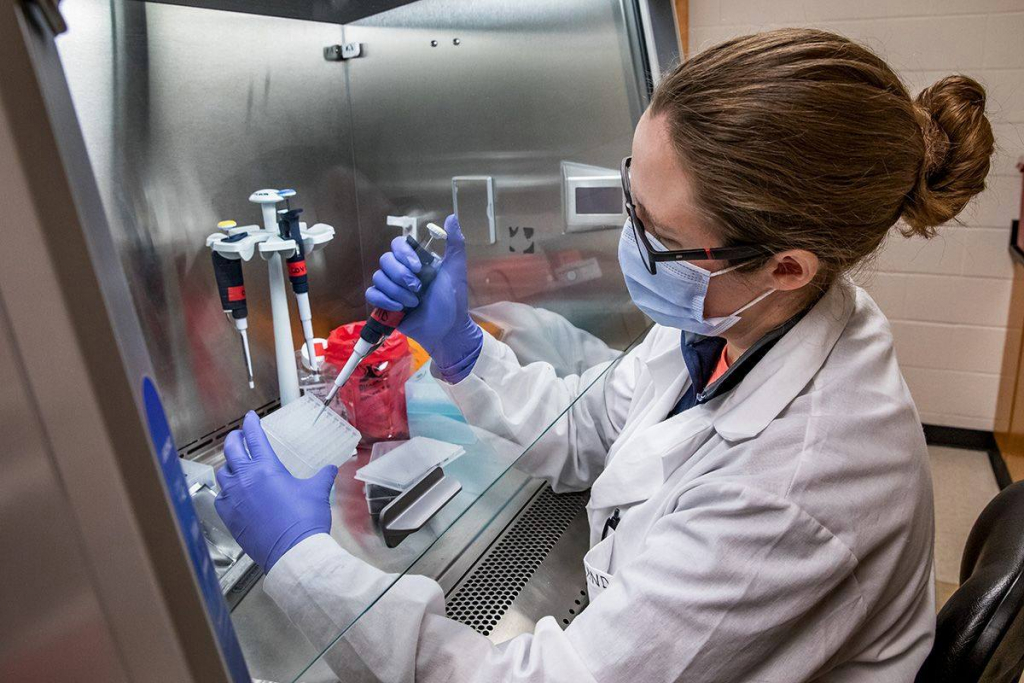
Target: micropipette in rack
382,323
288,223
231,288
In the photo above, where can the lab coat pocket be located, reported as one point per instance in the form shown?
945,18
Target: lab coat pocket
597,563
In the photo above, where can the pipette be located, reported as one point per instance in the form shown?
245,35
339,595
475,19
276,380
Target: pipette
288,222
231,288
382,323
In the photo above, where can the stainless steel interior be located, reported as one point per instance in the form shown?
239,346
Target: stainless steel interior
275,650
77,365
533,569
187,110
506,91
519,560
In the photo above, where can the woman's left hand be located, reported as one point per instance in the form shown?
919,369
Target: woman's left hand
268,510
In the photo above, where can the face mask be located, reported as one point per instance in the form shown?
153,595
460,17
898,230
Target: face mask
674,297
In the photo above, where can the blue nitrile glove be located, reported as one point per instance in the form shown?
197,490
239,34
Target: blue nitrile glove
267,510
440,321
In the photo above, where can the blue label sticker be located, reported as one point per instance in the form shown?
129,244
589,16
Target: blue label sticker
188,522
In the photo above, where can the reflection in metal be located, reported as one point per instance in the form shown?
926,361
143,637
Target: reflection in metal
530,84
182,126
181,130
473,203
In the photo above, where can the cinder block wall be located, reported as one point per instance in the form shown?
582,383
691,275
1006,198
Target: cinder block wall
948,298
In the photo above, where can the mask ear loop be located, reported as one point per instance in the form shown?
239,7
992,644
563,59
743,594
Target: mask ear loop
703,271
723,271
756,301
729,269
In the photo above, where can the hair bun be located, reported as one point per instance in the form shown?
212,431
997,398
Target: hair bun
957,146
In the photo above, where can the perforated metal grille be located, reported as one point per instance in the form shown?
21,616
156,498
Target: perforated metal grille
195,449
495,581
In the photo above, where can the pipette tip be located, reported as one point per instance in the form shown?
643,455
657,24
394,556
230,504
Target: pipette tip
320,414
252,385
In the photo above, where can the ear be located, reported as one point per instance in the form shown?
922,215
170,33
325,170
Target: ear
793,269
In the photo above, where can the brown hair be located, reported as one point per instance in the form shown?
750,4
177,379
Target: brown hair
803,139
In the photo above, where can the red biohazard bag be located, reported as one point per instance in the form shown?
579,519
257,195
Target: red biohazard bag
373,399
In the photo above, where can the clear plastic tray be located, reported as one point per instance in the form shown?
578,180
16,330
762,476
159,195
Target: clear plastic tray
377,496
305,447
407,462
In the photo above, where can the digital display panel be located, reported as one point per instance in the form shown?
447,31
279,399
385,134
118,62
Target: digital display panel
598,200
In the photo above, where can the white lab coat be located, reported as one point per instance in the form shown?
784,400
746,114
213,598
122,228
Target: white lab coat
781,532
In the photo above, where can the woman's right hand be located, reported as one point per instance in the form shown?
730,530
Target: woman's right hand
440,320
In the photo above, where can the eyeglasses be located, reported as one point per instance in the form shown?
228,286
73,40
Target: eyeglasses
652,255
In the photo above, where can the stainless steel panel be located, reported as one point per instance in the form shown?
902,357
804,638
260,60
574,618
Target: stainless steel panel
337,11
49,605
508,90
449,561
81,358
182,123
533,570
189,110
558,588
661,35
185,113
473,203
276,650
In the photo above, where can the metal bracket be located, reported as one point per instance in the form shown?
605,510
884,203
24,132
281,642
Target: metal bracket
478,201
411,510
343,52
408,224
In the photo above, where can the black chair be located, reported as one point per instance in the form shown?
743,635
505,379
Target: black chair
980,632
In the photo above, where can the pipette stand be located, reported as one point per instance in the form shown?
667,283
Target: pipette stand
274,250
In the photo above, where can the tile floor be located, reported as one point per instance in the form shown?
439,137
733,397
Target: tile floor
964,484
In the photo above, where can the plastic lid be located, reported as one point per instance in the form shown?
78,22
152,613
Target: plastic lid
436,231
403,464
342,341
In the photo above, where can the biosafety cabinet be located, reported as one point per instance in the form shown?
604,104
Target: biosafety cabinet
128,131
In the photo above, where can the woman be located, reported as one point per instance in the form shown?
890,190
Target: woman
761,507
